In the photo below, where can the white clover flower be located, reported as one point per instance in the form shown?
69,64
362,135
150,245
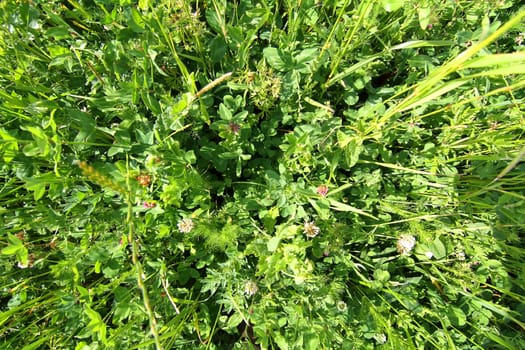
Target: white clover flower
185,225
310,229
405,244
250,288
21,265
460,255
341,306
380,338
519,38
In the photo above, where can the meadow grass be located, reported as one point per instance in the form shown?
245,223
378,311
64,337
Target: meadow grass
262,174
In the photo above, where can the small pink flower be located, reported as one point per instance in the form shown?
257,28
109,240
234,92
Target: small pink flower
149,204
322,190
234,127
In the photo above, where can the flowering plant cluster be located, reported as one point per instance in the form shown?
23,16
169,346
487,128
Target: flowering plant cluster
183,174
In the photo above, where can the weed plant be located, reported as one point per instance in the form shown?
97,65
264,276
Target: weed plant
341,174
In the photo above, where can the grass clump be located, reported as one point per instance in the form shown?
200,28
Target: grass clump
262,175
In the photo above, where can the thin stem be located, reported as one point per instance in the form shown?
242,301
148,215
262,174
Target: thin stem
165,285
140,271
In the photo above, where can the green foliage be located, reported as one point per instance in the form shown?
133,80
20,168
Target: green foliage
262,174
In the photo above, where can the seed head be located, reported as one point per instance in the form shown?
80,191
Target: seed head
405,243
250,288
144,180
310,229
185,225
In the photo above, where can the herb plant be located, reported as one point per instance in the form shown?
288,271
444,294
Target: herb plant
181,174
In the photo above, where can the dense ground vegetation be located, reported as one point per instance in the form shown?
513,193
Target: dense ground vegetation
341,174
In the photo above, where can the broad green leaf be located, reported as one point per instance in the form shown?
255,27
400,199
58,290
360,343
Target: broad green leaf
13,240
38,184
225,112
96,324
8,146
234,320
457,316
144,4
273,243
278,59
306,55
11,250
41,145
438,249
55,50
151,103
352,147
136,22
280,341
311,341
381,275
322,208
286,231
216,22
392,5
423,13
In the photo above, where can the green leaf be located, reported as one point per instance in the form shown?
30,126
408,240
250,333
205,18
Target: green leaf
215,21
234,320
311,341
273,243
225,112
306,55
438,249
280,341
96,324
11,250
352,147
55,50
392,5
424,16
9,146
41,145
495,60
151,103
13,240
304,58
136,22
36,344
278,59
38,184
456,316
345,207
381,275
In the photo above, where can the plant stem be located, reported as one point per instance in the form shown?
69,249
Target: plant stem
140,272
